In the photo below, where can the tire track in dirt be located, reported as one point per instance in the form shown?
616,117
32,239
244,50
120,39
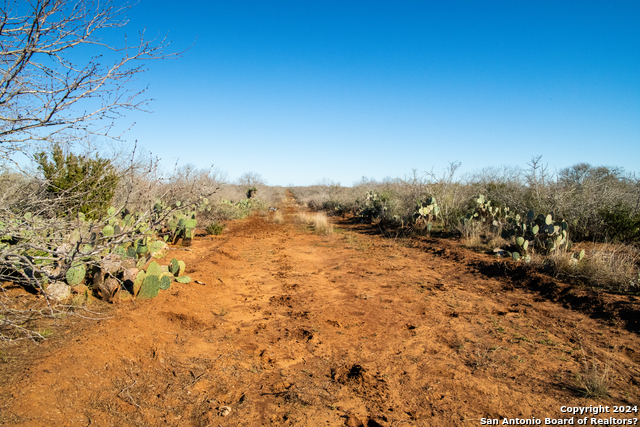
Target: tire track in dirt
294,328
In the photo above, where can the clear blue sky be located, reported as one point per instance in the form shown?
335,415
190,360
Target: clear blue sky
303,90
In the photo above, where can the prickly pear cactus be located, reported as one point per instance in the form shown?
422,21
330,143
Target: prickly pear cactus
183,279
154,269
108,231
155,249
141,262
165,281
76,274
150,287
131,252
138,282
119,250
174,267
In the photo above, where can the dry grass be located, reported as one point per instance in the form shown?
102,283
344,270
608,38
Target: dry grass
471,235
277,217
317,220
481,239
612,267
594,382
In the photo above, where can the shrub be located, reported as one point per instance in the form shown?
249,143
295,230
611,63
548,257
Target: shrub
621,224
84,185
251,192
215,228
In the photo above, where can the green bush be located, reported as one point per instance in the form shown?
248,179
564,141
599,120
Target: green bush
81,184
251,192
621,224
215,228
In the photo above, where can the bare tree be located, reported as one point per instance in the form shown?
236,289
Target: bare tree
251,179
446,190
61,82
49,86
538,179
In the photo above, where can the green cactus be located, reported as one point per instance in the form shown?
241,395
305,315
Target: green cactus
165,281
515,256
141,246
154,269
108,231
76,274
150,287
548,219
131,252
183,279
137,283
174,267
141,262
155,247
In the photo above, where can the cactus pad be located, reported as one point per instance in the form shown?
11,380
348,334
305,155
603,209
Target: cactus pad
76,274
131,252
137,283
154,269
165,281
174,267
150,287
108,231
141,262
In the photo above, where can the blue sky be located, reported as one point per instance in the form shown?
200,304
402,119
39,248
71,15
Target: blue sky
303,90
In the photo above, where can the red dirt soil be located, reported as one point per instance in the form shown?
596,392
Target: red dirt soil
351,328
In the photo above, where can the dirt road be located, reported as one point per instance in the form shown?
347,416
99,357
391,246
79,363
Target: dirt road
294,328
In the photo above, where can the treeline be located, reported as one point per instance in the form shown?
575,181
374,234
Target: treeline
599,203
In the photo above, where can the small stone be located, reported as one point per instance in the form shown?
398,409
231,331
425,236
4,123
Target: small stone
223,411
58,291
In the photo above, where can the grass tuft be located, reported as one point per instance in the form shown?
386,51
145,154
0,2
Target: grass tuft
611,267
594,382
318,221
